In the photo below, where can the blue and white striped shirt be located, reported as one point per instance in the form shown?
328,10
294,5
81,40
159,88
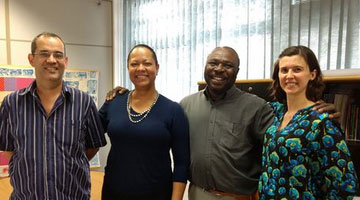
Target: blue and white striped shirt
49,160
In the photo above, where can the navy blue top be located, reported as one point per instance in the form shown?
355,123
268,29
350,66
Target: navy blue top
49,160
139,161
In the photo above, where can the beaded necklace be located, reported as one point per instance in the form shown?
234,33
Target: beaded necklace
144,114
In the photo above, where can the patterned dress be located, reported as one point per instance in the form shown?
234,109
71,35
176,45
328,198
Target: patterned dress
307,159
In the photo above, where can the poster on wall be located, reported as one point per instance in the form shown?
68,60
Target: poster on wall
16,77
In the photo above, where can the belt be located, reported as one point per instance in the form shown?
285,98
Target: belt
253,196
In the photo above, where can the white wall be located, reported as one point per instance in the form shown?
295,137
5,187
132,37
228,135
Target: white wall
85,26
2,19
2,51
2,32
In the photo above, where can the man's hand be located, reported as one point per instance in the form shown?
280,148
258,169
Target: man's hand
112,93
90,152
8,154
322,106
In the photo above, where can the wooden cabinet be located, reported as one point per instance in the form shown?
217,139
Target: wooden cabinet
259,87
334,86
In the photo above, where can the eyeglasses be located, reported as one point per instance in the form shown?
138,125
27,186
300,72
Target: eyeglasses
46,55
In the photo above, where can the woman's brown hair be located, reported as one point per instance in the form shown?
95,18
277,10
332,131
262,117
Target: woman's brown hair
314,88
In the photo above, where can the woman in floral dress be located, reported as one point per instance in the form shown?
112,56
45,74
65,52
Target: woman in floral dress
305,155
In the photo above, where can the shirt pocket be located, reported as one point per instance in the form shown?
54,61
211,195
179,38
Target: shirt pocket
232,135
73,133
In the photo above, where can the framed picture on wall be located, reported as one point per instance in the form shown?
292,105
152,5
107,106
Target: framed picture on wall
4,162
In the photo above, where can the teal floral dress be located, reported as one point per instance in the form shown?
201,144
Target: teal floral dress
307,159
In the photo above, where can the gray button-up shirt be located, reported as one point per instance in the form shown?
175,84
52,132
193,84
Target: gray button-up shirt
226,138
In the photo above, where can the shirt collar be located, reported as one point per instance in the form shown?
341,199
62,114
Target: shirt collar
227,94
66,90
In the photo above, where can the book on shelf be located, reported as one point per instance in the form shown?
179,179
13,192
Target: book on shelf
347,103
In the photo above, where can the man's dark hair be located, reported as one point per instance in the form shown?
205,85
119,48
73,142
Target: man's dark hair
45,34
233,50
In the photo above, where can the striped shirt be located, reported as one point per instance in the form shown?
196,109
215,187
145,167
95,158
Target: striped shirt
49,160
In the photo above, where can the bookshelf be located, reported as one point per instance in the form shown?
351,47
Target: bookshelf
347,90
344,93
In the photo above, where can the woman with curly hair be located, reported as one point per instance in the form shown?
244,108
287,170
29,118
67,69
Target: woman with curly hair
305,155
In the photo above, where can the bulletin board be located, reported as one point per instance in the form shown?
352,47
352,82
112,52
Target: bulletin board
14,77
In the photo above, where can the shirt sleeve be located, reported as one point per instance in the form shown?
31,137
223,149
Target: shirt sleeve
6,137
180,145
334,157
94,130
263,119
103,113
